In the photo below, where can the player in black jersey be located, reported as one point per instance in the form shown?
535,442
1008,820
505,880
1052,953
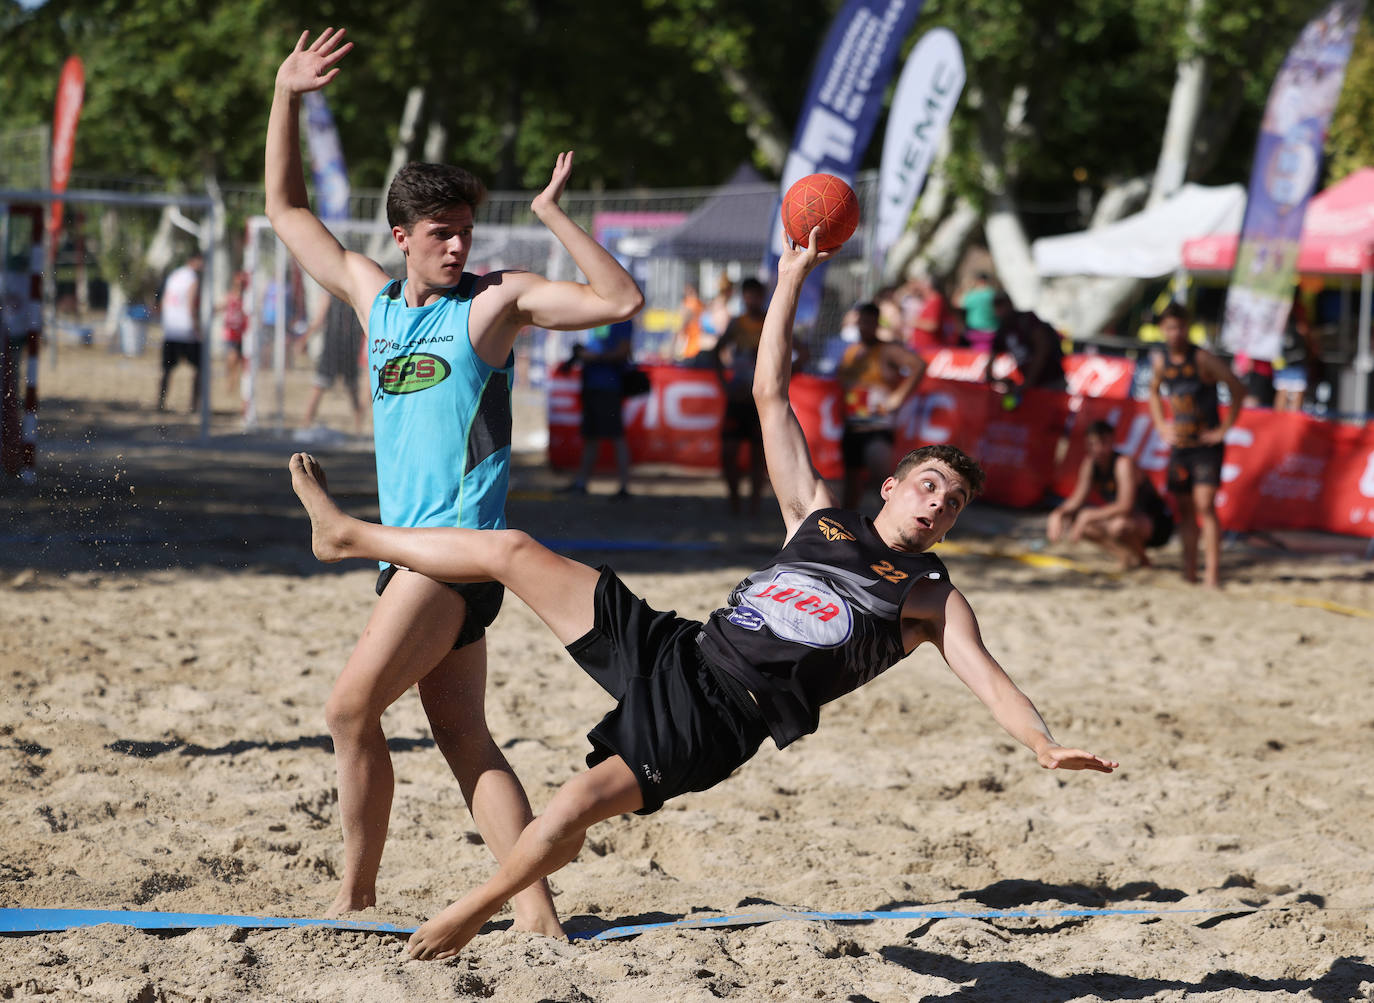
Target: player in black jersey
1113,504
1196,431
844,599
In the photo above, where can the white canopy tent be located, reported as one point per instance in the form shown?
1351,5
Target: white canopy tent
1147,245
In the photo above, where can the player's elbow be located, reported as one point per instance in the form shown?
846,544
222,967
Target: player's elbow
627,304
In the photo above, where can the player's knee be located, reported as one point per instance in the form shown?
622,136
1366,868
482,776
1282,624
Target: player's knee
348,714
512,549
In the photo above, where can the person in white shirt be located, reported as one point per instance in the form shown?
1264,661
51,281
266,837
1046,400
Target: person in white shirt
180,306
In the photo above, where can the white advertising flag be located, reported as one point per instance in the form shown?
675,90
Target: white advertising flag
926,94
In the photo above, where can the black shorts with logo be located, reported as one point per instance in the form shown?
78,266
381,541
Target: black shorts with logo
1189,465
483,600
679,724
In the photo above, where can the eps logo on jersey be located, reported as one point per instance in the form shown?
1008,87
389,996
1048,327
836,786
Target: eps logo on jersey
408,374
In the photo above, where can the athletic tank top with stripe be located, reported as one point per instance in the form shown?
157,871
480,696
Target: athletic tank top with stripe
1192,400
441,417
823,618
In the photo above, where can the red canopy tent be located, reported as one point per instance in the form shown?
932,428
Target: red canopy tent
1337,234
1337,239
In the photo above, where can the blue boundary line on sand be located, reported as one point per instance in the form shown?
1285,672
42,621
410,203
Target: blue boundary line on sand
751,919
59,920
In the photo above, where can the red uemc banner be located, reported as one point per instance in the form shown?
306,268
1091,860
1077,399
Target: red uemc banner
71,90
1282,471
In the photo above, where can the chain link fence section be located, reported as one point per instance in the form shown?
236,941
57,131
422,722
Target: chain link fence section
25,155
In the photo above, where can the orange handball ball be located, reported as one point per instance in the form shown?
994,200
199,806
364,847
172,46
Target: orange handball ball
820,200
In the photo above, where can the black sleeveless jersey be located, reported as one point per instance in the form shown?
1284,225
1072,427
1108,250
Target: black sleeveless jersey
1147,499
822,619
1192,402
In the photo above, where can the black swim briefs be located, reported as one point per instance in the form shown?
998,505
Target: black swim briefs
483,600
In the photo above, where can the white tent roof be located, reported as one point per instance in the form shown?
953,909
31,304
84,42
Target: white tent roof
1148,244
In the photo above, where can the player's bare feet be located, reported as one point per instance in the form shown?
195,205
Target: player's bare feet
345,903
545,925
327,522
446,934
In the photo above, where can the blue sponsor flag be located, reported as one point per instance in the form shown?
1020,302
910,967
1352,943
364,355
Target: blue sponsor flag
842,104
1286,167
326,159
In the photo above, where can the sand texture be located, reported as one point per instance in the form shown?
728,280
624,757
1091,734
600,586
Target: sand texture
169,643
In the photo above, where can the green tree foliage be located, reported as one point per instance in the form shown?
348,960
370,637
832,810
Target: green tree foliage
654,93
1097,76
178,86
1349,143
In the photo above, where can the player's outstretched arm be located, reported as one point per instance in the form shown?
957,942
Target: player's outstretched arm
349,276
961,644
610,293
797,485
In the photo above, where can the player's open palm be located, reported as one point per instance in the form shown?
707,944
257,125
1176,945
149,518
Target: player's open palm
562,171
1056,757
310,67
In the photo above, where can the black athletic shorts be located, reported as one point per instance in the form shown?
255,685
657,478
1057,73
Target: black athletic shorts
601,417
483,599
172,351
855,442
1189,465
741,421
679,724
1161,528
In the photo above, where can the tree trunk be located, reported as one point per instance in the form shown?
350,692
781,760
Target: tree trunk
1083,306
769,139
400,154
1185,109
1007,240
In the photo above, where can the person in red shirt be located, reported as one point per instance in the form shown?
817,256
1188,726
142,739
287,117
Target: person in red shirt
935,326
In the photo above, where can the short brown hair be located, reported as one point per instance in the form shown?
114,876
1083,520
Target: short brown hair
951,456
1175,310
425,191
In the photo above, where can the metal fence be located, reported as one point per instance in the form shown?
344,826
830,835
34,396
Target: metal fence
630,224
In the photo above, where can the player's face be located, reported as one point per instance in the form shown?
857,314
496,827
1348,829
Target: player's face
924,504
436,249
1099,448
1175,336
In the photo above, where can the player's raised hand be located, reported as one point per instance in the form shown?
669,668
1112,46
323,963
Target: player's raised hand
562,170
795,257
310,67
1056,757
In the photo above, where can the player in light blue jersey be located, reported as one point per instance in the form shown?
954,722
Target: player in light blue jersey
440,344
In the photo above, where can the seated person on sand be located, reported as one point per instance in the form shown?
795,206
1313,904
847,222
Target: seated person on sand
844,599
1126,515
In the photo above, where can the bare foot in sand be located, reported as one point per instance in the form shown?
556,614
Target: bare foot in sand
327,522
543,925
344,904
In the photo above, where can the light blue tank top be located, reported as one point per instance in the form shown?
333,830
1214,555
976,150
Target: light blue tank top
441,417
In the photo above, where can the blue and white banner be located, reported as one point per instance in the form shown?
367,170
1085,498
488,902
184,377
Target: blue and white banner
841,109
1286,167
927,91
326,159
